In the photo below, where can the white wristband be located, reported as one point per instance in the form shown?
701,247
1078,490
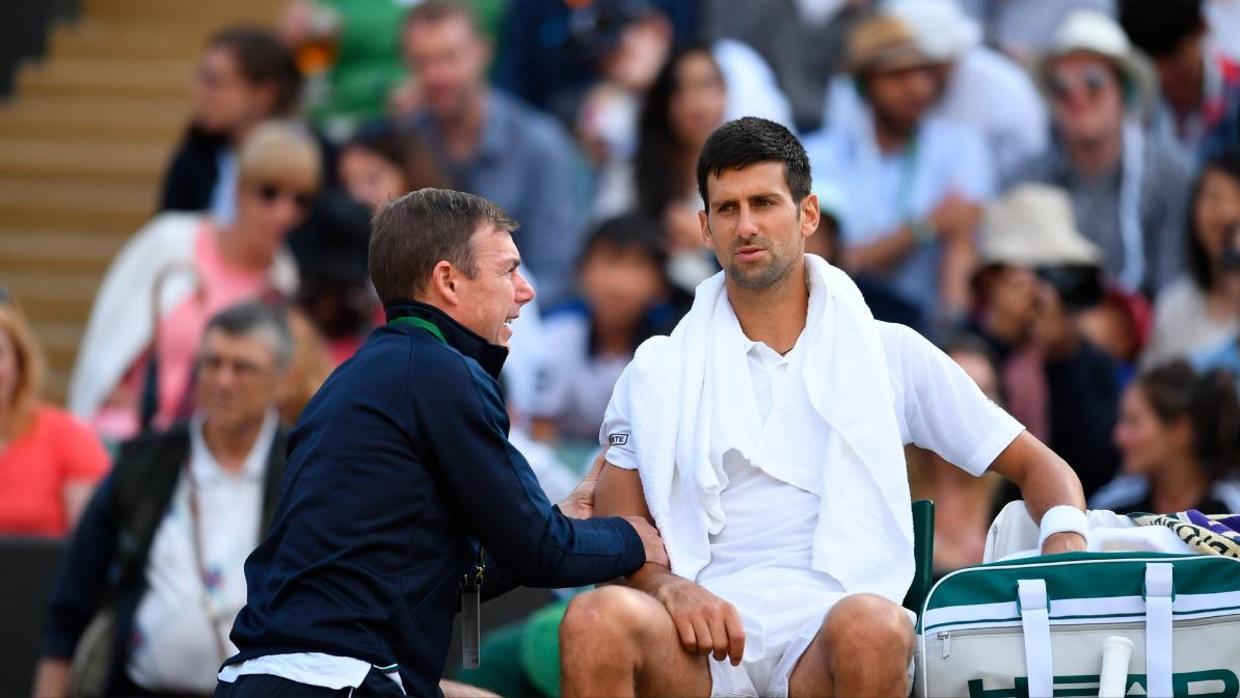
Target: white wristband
1064,518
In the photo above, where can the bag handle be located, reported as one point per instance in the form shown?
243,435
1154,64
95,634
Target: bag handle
1159,596
1035,623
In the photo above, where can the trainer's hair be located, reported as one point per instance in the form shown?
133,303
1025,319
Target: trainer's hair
412,234
750,140
245,319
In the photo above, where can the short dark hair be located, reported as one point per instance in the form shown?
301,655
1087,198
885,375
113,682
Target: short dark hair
249,318
412,234
439,10
1159,26
263,60
750,140
628,232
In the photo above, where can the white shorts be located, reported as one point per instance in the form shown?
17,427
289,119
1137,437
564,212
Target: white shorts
779,626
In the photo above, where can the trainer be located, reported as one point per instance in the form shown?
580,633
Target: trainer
401,491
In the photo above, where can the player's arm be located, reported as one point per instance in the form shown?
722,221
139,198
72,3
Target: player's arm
1045,482
706,623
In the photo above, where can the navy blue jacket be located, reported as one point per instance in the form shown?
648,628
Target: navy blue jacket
399,467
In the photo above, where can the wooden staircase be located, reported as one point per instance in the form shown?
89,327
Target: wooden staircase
83,146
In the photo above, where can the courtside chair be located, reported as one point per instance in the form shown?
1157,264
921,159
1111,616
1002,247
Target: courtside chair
923,554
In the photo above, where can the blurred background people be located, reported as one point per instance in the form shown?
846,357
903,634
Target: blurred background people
624,301
1199,105
488,143
1038,271
680,111
1194,311
1226,354
980,86
49,461
174,523
245,77
135,367
1179,433
911,185
1129,190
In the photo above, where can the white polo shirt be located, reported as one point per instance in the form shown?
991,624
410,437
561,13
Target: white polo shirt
171,648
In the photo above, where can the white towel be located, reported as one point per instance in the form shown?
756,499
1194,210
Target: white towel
688,387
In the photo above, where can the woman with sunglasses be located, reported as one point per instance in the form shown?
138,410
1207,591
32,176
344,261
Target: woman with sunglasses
134,367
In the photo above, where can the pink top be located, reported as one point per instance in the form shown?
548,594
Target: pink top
220,285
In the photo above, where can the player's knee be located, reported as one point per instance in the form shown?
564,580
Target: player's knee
606,612
868,621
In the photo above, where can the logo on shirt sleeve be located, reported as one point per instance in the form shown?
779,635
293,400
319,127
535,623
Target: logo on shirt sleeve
618,439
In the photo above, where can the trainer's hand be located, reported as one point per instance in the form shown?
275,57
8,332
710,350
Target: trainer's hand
580,502
651,541
706,623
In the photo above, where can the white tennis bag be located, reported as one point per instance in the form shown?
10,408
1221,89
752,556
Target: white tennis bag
1037,627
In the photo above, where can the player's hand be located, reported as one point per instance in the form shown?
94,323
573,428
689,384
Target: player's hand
706,623
1065,542
656,554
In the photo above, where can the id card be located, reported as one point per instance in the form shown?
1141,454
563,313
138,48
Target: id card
470,630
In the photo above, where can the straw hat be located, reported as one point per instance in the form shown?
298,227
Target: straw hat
944,30
884,43
1033,225
1090,31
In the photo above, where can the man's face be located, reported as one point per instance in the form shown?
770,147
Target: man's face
901,98
224,100
239,378
1183,65
1087,100
449,60
755,228
1012,296
493,298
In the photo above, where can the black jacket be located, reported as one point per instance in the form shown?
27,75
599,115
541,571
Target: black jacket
105,563
399,467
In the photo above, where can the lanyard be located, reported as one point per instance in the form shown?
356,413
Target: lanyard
422,323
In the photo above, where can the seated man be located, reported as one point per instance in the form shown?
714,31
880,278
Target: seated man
164,539
764,437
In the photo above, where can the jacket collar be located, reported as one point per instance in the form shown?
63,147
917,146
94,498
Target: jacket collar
490,356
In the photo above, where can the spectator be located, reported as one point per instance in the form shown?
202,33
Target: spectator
1179,433
161,547
135,364
548,50
681,109
1038,271
1129,191
1226,354
489,144
381,164
245,77
49,462
981,87
911,185
803,42
1200,104
1194,311
624,302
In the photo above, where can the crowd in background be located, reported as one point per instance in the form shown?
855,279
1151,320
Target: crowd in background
1049,189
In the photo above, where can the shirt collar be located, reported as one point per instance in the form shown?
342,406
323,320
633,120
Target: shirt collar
496,112
814,314
490,356
207,469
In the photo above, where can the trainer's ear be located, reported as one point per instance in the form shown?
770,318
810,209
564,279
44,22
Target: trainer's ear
442,287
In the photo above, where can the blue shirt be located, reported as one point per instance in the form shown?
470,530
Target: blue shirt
526,163
399,467
1225,356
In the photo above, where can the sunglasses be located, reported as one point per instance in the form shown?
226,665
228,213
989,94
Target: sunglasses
1091,80
270,193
